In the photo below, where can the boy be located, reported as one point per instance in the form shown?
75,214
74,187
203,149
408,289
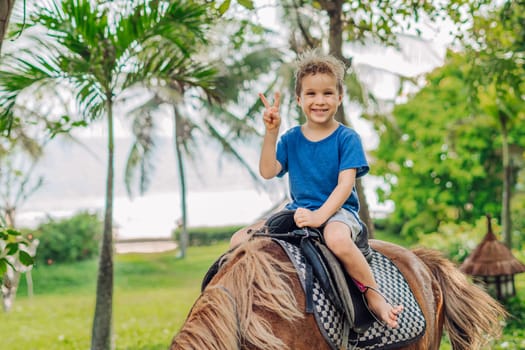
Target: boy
323,159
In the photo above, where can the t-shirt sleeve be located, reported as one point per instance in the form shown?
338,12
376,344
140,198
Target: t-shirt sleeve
352,154
282,155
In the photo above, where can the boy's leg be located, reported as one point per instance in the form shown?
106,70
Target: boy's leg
339,240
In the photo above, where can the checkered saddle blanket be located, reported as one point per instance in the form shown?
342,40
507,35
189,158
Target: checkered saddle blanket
391,283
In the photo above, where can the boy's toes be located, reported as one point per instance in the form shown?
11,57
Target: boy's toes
394,312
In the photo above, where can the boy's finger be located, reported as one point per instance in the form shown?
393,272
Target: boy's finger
277,100
264,100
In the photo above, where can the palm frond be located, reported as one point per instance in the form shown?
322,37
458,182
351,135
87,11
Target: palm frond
177,70
19,74
228,148
90,97
185,22
249,67
239,127
198,75
139,160
75,24
138,163
132,162
180,23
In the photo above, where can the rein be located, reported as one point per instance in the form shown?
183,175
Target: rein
237,320
305,232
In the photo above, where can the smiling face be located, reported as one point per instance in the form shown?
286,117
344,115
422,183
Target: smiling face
319,98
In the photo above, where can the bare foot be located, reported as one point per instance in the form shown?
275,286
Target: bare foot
381,309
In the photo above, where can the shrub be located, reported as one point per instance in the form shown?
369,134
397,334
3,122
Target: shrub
200,236
516,308
457,240
67,240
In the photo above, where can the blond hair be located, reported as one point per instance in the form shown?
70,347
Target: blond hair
314,62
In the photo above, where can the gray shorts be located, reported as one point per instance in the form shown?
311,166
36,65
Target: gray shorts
346,217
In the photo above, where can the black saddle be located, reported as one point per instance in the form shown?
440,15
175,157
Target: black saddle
322,264
282,225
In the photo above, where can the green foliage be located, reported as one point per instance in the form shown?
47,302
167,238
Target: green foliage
383,231
11,242
442,161
390,18
202,236
457,240
514,333
516,308
67,240
518,221
496,46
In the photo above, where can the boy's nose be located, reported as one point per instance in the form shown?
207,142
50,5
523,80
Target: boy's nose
319,99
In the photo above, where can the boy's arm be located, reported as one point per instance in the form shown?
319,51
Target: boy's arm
334,202
269,166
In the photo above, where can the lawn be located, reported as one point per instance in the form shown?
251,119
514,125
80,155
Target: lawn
153,294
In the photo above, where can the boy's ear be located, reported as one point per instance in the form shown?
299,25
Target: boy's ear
298,99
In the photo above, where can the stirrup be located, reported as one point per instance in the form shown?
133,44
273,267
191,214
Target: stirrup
363,289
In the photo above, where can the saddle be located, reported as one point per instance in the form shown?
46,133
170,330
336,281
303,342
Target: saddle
322,265
333,323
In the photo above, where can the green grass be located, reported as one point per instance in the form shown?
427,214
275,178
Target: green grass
392,238
152,297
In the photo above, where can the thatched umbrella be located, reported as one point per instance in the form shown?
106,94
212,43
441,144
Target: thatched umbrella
493,265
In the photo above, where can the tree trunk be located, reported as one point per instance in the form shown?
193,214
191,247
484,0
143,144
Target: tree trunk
102,322
335,12
11,278
6,7
10,286
507,180
10,213
179,137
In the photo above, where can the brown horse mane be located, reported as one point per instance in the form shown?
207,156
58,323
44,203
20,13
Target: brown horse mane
228,302
472,317
211,325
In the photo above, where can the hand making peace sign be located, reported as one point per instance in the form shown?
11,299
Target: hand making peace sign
271,116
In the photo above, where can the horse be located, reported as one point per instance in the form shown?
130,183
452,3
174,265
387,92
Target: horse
256,302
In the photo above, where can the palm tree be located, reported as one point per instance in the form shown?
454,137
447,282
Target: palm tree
94,50
212,120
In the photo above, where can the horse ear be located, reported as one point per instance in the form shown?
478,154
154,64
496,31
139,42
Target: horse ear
281,222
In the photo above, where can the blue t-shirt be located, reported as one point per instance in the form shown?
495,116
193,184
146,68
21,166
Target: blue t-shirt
314,167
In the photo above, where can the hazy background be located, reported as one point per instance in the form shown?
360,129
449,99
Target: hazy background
220,191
